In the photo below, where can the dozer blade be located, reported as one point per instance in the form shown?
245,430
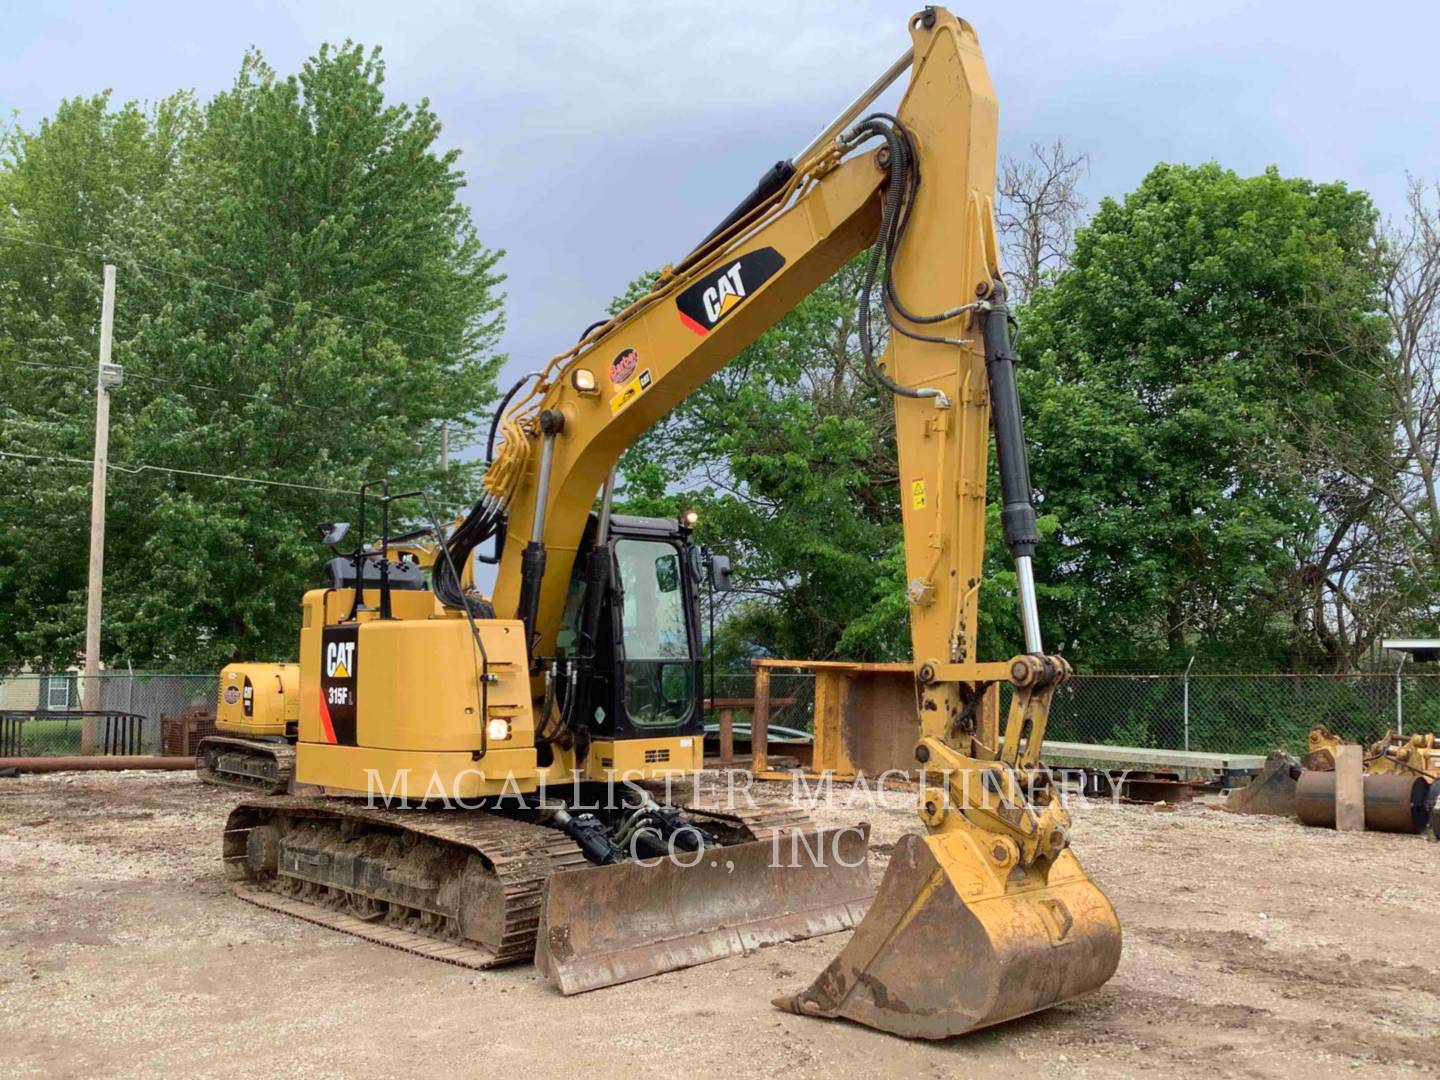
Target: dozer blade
949,945
612,924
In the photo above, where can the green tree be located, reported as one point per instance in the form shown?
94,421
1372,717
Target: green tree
789,454
86,180
1175,376
303,299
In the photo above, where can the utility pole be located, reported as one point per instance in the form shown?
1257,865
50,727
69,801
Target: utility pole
709,563
445,446
107,377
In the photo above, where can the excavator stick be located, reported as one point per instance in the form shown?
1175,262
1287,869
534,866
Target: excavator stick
606,925
949,946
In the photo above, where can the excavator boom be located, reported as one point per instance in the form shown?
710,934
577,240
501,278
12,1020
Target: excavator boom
989,916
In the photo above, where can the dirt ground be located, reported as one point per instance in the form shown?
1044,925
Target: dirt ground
1253,947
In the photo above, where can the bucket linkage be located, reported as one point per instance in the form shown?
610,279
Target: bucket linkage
989,917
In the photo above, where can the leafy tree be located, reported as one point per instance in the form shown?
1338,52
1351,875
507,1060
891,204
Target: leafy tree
789,454
1381,576
1191,392
302,299
85,180
1174,377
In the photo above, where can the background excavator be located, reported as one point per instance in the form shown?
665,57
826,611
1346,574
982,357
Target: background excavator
555,711
257,708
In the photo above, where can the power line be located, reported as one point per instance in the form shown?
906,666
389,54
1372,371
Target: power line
91,254
168,382
133,469
269,400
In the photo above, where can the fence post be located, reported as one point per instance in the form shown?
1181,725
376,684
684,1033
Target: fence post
1185,701
760,722
1400,697
727,735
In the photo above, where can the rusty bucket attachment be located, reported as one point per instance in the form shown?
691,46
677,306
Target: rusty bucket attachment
610,924
1271,791
1394,802
954,942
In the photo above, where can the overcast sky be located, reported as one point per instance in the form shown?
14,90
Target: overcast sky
602,139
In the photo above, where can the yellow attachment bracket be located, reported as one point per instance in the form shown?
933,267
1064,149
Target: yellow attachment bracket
988,800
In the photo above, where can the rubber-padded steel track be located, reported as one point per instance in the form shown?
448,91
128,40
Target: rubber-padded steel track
258,766
518,856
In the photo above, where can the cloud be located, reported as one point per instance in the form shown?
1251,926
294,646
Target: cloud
601,140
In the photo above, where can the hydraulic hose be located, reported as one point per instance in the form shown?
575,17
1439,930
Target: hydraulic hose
504,404
884,248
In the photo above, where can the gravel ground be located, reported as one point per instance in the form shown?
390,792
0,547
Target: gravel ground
1253,947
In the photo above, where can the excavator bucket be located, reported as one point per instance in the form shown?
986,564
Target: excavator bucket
950,945
1272,791
605,925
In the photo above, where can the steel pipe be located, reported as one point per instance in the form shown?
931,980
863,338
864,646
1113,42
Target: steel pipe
1394,802
94,764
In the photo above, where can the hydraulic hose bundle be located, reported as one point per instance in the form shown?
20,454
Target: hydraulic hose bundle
895,217
487,517
1018,513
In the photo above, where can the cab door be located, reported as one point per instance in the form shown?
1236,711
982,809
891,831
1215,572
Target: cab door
657,640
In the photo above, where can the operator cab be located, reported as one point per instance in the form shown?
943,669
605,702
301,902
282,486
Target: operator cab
646,680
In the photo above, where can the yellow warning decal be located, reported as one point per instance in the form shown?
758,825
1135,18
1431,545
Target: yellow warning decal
917,494
630,391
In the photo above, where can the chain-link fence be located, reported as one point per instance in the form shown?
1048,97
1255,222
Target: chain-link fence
1240,713
45,715
1226,713
792,701
1216,713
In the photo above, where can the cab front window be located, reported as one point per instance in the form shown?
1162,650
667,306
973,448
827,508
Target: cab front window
659,671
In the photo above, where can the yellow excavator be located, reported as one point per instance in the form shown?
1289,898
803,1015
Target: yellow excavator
257,707
257,719
542,728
